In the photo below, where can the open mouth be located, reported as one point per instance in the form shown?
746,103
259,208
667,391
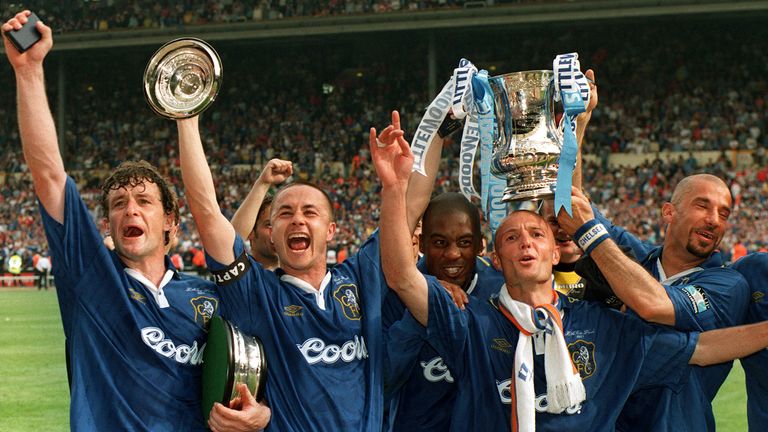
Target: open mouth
453,271
298,242
132,231
706,234
527,259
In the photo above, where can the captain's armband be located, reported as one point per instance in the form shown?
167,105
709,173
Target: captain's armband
232,272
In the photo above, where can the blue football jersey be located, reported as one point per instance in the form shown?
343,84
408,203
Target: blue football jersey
754,268
615,354
135,354
324,348
707,298
425,399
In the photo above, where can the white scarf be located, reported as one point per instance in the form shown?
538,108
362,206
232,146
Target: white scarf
564,386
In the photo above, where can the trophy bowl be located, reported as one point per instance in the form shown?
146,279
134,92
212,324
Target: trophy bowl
527,142
182,78
231,357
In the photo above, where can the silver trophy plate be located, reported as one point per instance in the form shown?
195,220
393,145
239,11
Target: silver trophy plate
182,78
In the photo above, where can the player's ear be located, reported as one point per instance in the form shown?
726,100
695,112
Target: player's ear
495,260
168,222
668,212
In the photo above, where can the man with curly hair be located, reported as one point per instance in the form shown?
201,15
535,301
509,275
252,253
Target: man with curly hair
134,326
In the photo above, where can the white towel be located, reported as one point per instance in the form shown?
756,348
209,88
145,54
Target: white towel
564,386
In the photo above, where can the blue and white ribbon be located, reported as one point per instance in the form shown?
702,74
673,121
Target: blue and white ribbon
429,125
462,88
572,87
491,187
455,96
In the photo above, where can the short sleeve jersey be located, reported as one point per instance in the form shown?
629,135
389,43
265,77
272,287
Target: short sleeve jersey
425,400
754,268
615,354
707,298
323,347
135,356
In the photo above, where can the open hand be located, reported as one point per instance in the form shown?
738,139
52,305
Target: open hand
459,296
391,154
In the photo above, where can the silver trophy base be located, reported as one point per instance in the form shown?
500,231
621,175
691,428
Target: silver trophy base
530,177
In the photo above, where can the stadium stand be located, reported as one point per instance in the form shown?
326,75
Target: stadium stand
667,109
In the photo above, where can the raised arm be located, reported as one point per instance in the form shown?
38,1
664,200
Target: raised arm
394,162
582,120
419,186
36,126
630,281
275,172
722,345
216,233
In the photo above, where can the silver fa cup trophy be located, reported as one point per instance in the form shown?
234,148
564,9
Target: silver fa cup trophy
527,142
182,78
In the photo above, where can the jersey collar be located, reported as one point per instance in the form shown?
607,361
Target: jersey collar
309,289
156,291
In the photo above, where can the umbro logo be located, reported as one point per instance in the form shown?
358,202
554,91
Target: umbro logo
293,311
501,344
135,295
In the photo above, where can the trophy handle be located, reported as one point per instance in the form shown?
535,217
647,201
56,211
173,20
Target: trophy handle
182,78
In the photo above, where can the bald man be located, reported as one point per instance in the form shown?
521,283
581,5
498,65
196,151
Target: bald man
698,295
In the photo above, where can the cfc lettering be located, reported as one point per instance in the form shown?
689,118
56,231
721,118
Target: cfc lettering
154,338
315,350
505,394
435,370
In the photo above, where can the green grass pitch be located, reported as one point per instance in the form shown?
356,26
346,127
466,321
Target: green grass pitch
33,387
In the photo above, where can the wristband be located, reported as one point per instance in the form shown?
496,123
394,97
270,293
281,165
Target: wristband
449,126
590,235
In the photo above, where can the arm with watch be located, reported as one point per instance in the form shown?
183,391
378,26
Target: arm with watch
637,288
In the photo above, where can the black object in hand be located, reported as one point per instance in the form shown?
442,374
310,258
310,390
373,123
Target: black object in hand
26,36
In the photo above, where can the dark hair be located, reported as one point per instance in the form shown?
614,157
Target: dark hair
132,174
264,204
448,202
314,186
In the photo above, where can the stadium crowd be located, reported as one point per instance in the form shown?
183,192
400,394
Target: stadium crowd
318,116
75,16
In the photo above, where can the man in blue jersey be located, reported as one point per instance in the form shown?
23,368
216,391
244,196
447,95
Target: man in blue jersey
419,387
134,326
754,268
321,329
593,356
451,240
697,294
